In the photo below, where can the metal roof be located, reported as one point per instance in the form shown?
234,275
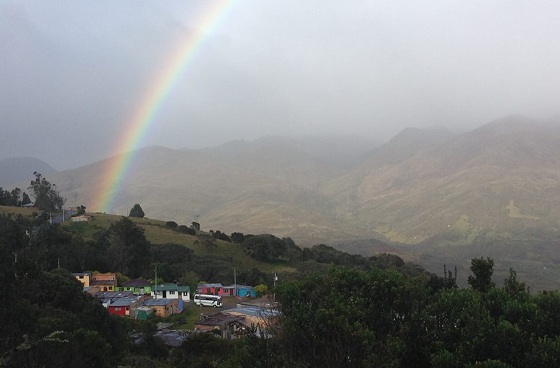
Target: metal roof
170,287
158,302
123,302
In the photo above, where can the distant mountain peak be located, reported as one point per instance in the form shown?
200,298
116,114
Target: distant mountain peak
407,143
19,169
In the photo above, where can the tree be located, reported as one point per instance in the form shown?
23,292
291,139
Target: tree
512,286
136,211
81,210
25,199
377,321
261,289
220,236
128,251
47,319
482,270
171,224
265,247
186,230
47,197
15,193
237,237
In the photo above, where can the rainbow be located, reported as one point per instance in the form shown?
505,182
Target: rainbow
142,119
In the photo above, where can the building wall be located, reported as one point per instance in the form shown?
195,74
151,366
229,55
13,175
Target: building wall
121,311
246,292
84,279
226,291
146,290
166,310
105,281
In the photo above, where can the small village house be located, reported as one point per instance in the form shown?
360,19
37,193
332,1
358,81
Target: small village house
137,287
225,325
163,307
80,218
171,291
245,291
208,288
102,282
123,306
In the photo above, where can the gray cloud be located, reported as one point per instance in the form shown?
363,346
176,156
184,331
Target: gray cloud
74,73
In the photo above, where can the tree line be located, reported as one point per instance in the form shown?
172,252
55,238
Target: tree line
47,197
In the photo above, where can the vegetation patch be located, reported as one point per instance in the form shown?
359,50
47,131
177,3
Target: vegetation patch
515,212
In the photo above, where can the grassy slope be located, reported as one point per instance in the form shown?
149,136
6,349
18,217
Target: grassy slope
4,210
157,233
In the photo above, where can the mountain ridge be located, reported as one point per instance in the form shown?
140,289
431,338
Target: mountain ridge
17,169
422,182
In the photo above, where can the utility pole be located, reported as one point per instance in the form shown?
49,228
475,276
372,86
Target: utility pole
274,294
15,264
234,282
155,284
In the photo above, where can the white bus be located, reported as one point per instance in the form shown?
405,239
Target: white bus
208,300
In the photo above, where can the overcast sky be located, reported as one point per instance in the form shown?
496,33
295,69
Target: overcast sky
72,73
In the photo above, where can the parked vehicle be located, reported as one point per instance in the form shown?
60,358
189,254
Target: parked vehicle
208,300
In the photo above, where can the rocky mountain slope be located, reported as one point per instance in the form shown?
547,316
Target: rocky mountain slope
501,178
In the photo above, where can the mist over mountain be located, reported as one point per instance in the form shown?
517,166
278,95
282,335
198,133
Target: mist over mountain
17,169
502,176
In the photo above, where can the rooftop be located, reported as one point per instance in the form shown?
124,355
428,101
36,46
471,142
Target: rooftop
209,285
158,302
170,287
137,283
124,302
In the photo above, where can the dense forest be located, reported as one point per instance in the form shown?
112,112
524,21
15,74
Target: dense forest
337,309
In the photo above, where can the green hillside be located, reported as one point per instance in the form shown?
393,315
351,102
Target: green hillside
157,233
91,245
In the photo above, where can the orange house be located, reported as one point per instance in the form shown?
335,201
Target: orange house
103,282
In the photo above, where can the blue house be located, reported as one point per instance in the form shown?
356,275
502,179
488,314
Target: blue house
245,291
